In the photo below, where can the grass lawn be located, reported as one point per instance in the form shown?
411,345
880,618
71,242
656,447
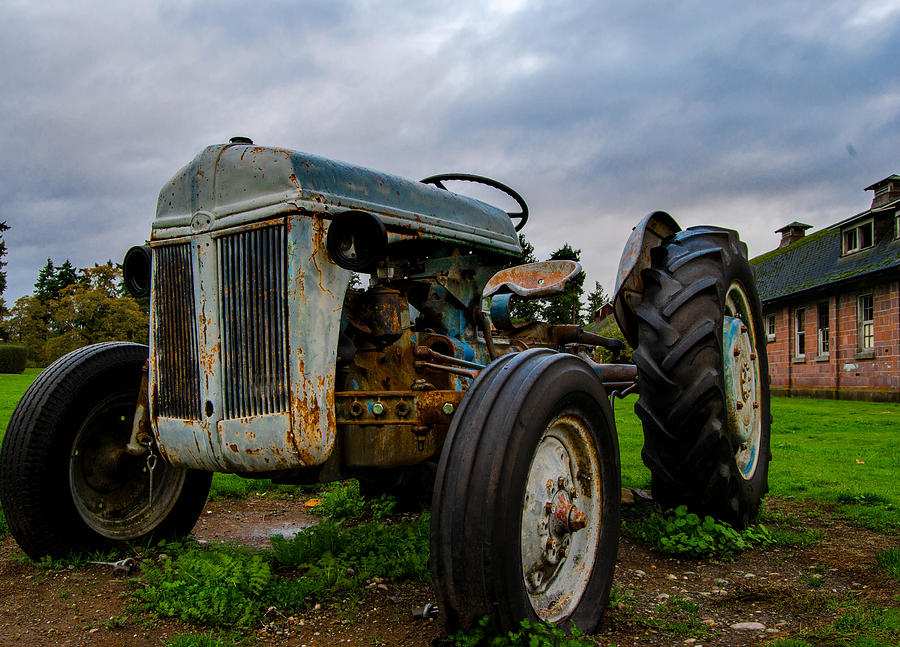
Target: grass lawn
830,451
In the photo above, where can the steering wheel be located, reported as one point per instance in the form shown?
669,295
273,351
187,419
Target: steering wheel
521,216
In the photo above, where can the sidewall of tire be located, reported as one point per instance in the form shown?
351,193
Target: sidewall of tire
495,442
34,459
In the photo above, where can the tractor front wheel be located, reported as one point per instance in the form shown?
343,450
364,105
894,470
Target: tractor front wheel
67,483
525,515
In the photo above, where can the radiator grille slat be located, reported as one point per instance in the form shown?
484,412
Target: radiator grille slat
252,322
176,337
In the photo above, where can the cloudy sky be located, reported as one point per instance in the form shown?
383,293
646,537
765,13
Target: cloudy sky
741,114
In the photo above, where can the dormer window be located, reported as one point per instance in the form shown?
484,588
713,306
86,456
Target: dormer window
858,237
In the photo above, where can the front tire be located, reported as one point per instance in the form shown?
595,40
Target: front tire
525,515
703,375
65,482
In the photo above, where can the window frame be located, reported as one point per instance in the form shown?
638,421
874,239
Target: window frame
865,328
823,342
800,333
856,231
771,323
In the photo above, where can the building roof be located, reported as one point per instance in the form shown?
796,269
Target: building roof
815,261
889,178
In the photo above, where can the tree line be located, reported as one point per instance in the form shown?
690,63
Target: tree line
73,307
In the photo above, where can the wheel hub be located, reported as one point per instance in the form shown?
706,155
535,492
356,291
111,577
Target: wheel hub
742,380
560,519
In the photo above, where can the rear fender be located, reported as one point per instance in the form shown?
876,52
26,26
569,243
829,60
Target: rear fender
649,233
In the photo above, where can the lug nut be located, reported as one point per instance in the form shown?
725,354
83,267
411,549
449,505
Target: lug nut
378,409
447,408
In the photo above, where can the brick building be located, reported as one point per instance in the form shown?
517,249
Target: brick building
831,304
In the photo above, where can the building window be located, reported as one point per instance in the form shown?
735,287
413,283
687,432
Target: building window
822,330
800,332
770,327
865,315
858,237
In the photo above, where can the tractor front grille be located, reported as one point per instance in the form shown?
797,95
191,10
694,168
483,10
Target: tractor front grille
176,333
253,321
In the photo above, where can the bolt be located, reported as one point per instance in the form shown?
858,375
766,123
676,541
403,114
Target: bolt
743,328
447,408
756,405
561,482
739,404
752,357
377,408
737,352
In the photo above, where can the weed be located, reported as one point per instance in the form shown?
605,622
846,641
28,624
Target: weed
680,532
116,622
383,507
64,593
530,634
619,599
790,642
342,502
889,560
220,586
4,528
396,551
814,581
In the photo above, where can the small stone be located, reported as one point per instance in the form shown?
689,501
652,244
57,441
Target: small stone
690,641
662,596
773,631
94,630
640,573
748,626
709,621
671,577
720,582
749,576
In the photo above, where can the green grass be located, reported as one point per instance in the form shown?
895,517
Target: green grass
12,387
832,452
889,560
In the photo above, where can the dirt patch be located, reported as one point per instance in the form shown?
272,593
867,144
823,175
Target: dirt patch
779,589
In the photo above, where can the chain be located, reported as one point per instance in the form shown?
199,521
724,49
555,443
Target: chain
151,465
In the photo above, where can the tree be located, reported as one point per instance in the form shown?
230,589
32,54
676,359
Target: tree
595,300
565,308
3,228
52,280
88,310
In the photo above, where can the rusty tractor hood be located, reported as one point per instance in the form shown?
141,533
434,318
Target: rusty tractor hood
234,184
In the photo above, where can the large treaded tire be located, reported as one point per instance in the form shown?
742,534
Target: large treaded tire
497,469
39,452
690,443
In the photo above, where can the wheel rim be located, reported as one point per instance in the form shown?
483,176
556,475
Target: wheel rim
743,396
560,525
110,487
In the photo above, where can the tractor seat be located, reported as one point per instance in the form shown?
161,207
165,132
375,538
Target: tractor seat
533,280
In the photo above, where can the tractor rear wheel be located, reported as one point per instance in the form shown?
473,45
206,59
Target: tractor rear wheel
703,375
525,515
66,482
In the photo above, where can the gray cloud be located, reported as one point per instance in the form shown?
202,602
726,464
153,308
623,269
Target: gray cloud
739,114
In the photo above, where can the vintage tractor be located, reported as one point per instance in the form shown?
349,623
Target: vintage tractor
264,362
